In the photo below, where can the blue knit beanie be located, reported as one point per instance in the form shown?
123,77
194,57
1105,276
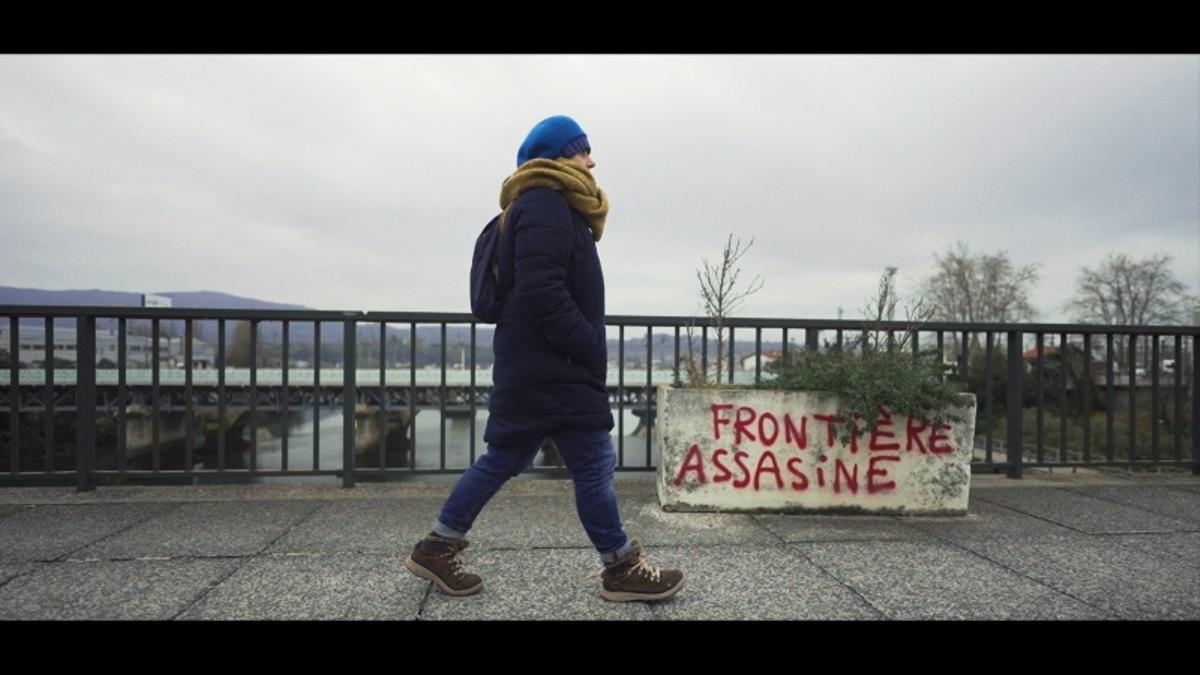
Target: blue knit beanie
553,137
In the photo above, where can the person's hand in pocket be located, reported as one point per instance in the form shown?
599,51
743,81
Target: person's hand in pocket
597,363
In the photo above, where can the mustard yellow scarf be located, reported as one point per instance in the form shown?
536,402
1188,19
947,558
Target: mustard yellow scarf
577,185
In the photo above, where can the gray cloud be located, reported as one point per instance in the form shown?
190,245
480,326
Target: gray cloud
361,181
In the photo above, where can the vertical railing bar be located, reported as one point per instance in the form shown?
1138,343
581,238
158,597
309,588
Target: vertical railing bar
1132,399
473,368
941,355
154,393
1085,398
758,355
122,396
1063,412
383,396
1196,405
1110,407
412,395
965,358
316,442
442,397
220,395
283,423
988,389
187,394
349,398
677,380
731,371
85,401
649,387
703,355
1016,432
1041,398
14,394
1178,419
253,395
48,391
1154,359
621,396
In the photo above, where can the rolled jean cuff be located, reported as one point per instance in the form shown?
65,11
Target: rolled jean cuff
443,531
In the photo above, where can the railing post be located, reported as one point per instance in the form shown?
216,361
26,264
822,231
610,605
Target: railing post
1015,430
14,394
349,368
85,402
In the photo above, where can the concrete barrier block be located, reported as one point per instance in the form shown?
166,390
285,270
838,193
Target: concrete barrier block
753,450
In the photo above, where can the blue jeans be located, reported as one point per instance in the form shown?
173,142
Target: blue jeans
590,458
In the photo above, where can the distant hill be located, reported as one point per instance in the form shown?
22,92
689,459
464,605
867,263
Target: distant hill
95,297
271,332
301,332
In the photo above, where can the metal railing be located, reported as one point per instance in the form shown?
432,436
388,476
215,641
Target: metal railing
367,405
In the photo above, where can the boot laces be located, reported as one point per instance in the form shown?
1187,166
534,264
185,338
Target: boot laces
454,553
456,563
646,569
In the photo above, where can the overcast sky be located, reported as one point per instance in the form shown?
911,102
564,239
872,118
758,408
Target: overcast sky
361,182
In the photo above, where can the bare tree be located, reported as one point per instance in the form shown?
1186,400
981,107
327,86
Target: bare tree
1127,292
1130,292
883,308
720,297
980,288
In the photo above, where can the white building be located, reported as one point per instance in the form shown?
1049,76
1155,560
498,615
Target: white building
768,356
31,348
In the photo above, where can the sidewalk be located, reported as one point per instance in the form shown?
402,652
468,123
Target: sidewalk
1051,546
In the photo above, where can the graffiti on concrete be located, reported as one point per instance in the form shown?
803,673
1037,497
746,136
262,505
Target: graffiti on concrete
788,459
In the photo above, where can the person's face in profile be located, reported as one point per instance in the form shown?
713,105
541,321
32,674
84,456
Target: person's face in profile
582,160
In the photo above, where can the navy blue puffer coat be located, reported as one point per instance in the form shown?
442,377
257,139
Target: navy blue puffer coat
550,347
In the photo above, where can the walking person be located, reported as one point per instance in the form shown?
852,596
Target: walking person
551,364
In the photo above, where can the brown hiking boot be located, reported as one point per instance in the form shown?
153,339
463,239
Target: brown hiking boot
637,579
440,560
